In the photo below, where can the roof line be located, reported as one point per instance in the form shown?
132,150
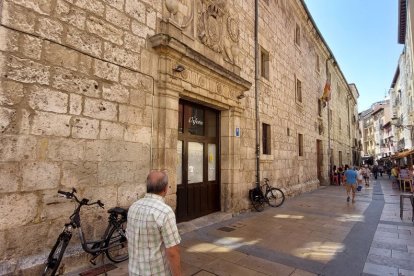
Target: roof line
323,40
402,20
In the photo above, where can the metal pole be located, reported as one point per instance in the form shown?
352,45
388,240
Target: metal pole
329,144
329,127
256,87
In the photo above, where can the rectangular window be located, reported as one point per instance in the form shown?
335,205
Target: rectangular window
300,144
319,107
298,88
340,158
340,124
264,63
318,64
266,138
288,132
297,34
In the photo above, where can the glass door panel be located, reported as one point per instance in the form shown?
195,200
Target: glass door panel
179,162
195,162
212,161
194,120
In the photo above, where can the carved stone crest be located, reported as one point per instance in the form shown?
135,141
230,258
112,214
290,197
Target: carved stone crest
181,12
217,29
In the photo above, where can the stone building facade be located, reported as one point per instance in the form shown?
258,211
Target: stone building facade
95,94
401,90
375,131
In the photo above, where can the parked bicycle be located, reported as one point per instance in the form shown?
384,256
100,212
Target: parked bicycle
272,196
113,243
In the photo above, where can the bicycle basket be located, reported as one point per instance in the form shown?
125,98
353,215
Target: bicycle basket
255,194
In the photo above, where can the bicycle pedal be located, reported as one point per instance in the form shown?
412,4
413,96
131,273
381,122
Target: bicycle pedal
92,261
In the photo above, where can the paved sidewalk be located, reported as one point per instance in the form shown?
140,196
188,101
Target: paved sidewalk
317,233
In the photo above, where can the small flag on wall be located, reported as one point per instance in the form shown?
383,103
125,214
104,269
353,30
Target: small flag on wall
327,91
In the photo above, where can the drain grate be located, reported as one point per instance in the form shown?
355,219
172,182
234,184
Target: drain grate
226,229
98,270
203,272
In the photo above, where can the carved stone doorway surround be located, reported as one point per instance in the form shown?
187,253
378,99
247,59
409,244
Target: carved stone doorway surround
204,82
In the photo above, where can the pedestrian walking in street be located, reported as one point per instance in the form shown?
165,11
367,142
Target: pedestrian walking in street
381,169
365,173
375,171
152,232
388,169
394,176
340,174
351,182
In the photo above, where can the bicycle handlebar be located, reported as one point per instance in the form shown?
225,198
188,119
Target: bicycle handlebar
84,201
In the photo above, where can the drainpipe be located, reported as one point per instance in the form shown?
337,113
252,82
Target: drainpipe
329,125
256,87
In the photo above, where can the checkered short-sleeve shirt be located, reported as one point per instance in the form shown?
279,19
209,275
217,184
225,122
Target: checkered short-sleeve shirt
151,228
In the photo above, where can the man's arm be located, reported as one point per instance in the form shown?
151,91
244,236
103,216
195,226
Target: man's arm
173,256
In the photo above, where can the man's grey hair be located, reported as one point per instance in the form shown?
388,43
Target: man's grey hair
157,182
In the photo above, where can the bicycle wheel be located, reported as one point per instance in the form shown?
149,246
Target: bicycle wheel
117,244
257,202
275,197
55,256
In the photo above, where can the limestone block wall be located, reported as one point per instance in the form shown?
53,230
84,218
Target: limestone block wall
76,110
278,105
86,102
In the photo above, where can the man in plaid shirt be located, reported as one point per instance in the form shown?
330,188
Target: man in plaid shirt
152,232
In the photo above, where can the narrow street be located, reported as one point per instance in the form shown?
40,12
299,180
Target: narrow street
317,233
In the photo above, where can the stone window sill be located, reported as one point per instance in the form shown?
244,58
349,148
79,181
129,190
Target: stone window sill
266,157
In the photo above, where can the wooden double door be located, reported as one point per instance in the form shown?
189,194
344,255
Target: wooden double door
198,183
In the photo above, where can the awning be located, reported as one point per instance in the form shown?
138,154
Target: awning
403,154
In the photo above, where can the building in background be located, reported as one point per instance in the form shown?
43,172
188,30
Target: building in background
401,90
372,122
355,128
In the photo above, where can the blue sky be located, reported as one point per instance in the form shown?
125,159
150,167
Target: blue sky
362,35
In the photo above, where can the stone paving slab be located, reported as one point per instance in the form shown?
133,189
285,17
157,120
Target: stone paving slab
317,233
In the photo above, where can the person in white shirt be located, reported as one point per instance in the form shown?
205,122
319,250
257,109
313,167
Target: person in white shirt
153,238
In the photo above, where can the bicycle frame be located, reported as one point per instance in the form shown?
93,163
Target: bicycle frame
266,184
114,236
97,246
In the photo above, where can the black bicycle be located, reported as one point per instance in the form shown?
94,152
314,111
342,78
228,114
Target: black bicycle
274,197
113,243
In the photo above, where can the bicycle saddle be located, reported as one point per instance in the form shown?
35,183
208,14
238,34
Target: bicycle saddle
118,210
